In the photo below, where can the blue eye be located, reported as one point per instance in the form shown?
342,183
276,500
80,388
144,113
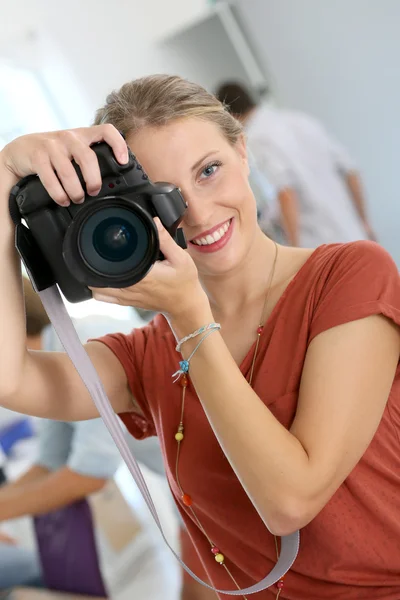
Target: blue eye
210,169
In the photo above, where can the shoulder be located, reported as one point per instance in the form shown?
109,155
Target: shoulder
353,281
301,119
358,259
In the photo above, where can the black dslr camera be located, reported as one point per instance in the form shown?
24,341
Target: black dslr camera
108,241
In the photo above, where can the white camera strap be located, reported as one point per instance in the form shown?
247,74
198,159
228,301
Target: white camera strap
57,312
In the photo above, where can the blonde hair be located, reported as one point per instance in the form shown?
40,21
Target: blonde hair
156,100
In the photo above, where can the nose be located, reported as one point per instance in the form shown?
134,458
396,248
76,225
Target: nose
198,213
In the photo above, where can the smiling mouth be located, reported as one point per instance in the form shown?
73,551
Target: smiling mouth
214,237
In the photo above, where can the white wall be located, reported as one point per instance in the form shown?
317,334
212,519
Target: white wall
341,61
85,48
94,44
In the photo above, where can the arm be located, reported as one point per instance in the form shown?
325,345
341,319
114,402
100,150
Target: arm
270,161
34,473
49,492
31,381
354,185
348,371
39,383
347,168
288,203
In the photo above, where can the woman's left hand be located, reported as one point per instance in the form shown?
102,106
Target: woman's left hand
171,287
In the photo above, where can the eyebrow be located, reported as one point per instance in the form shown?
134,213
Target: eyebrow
202,159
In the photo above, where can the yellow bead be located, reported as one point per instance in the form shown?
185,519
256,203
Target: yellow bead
179,436
219,558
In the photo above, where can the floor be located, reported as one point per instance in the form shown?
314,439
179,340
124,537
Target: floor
152,573
157,573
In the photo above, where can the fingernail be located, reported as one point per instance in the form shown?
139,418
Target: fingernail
158,224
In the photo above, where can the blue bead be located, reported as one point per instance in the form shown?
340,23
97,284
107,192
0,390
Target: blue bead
184,365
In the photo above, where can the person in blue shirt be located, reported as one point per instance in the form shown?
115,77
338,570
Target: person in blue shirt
74,460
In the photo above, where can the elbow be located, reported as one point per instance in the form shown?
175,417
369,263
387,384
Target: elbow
288,519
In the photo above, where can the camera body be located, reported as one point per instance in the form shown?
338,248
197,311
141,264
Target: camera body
109,240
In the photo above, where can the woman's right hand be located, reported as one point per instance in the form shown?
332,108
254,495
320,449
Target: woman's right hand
43,154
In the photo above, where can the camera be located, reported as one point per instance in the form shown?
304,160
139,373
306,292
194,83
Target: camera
109,240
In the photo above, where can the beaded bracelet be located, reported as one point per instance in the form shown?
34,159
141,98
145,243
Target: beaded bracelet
196,333
184,364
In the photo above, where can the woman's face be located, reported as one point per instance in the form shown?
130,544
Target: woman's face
221,220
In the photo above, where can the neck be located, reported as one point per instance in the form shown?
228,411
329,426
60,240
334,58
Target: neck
231,293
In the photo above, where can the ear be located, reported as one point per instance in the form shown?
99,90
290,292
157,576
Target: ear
241,147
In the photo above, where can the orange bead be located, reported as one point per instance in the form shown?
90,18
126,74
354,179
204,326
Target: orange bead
183,380
186,499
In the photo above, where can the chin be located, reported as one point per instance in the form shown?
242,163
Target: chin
219,263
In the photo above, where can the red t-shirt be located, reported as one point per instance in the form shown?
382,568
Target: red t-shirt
351,550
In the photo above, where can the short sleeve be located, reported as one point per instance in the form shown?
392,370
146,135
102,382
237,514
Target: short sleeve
341,156
130,350
93,452
362,280
54,443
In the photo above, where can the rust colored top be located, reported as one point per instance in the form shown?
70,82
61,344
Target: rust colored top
351,550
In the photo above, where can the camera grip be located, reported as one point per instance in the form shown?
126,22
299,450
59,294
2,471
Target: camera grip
132,171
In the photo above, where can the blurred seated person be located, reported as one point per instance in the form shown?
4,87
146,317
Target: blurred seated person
2,467
320,195
74,461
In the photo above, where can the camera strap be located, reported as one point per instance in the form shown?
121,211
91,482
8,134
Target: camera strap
60,319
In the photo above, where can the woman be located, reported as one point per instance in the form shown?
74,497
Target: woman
289,416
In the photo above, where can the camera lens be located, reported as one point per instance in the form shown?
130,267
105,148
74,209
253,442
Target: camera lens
115,241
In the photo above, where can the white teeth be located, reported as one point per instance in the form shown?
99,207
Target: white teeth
212,237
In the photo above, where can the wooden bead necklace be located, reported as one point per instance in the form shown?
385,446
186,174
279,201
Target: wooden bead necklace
179,437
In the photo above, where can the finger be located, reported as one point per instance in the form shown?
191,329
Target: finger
168,246
88,162
67,175
103,295
45,171
108,133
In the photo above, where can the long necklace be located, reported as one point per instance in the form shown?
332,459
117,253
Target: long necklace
179,437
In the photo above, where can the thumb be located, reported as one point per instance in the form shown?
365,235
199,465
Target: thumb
168,246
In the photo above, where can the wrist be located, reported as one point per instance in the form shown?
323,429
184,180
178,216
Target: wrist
187,321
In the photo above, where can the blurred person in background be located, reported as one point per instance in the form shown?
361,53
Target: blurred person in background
3,477
74,460
320,196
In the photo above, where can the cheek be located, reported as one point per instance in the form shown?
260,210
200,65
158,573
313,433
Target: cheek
240,194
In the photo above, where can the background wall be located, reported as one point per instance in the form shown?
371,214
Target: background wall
340,61
85,48
337,60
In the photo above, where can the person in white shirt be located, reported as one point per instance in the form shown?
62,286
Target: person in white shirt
320,197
